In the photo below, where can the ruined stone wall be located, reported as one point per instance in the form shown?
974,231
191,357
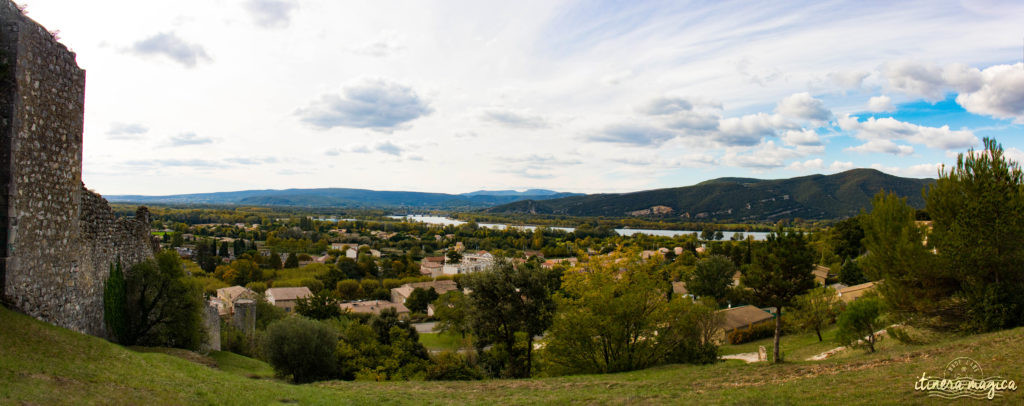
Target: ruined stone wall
59,238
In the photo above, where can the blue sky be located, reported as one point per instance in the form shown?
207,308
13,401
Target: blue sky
584,96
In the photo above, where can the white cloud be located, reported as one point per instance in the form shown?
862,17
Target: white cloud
514,119
839,166
883,146
886,129
641,135
170,45
126,131
815,164
803,137
748,130
376,104
849,79
1014,154
764,156
1001,93
665,105
271,13
803,106
695,121
880,104
930,80
189,138
913,171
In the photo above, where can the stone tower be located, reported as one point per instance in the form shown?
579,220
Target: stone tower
58,239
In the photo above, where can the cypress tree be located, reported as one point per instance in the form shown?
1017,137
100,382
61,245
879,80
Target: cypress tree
114,298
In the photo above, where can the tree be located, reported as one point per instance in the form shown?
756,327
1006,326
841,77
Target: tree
915,289
616,316
292,261
223,251
781,270
420,298
349,289
114,304
163,307
850,274
319,306
859,322
845,238
275,261
712,277
977,212
450,310
301,348
453,256
816,309
510,305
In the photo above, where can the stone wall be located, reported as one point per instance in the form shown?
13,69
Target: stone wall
59,238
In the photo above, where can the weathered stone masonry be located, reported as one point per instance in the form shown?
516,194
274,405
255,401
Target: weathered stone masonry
58,238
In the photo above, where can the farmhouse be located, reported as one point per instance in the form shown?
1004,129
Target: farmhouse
228,296
373,307
401,293
742,318
851,293
285,298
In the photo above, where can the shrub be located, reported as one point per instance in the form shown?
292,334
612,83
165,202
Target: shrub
859,322
452,366
114,304
740,336
301,348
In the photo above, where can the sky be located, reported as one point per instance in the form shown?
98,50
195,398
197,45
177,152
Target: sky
577,96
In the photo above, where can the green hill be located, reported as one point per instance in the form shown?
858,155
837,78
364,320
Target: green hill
43,364
739,199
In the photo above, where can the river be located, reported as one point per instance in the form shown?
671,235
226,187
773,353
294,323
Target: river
758,235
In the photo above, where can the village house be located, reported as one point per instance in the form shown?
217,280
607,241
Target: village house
433,266
226,297
742,318
401,293
285,298
821,274
851,293
572,261
470,263
374,307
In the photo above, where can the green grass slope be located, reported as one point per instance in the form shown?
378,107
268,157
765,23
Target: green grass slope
42,364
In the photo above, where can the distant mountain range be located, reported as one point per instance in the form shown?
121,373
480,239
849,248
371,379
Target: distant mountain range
724,199
351,198
738,199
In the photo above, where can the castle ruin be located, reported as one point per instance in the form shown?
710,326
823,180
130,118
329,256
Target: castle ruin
58,239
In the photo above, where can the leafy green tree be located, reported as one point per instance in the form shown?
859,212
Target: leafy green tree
859,322
916,290
510,305
292,261
349,289
846,238
223,251
450,310
301,348
616,316
453,256
275,261
319,306
815,309
163,307
781,271
977,212
114,304
419,299
851,274
712,277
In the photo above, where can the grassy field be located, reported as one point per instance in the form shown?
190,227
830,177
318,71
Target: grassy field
795,347
441,341
42,364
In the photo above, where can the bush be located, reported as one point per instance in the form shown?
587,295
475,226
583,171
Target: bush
301,348
859,322
163,307
740,336
452,366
